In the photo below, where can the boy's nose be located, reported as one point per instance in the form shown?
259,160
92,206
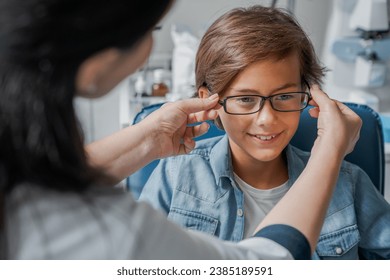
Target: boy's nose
267,115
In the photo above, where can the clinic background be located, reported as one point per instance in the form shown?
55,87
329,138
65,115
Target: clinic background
328,24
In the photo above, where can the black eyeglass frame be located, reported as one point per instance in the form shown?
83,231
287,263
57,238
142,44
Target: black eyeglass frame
264,99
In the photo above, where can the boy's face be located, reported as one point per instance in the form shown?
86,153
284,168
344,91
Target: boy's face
262,136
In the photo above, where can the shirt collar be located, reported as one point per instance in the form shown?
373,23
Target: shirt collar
221,160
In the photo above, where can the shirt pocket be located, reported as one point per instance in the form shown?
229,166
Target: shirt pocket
193,220
340,244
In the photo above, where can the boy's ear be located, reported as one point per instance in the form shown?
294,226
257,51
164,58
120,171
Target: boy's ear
203,92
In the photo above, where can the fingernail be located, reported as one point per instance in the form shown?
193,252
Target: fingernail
213,97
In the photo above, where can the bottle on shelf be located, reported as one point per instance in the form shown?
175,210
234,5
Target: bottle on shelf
140,86
159,86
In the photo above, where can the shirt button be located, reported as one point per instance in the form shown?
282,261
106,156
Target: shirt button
339,250
240,212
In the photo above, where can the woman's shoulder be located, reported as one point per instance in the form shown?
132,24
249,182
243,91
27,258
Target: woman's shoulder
27,198
45,220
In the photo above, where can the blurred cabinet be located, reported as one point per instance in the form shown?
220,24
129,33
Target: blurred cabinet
103,116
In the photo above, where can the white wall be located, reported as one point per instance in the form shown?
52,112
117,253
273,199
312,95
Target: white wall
198,15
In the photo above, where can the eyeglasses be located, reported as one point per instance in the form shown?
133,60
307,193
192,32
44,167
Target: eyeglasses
250,104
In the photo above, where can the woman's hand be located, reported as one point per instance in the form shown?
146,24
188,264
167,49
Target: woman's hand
338,126
163,133
169,125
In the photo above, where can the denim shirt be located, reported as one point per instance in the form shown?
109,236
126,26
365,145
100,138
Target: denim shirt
198,191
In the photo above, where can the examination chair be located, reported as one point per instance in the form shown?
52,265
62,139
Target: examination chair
368,153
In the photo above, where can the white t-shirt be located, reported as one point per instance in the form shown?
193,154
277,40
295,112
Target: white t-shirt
258,203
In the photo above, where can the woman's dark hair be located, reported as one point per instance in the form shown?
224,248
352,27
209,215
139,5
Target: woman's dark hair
243,36
42,44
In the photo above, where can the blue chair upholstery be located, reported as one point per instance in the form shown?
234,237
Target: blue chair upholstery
368,153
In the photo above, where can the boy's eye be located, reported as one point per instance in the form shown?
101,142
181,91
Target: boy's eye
284,97
246,99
